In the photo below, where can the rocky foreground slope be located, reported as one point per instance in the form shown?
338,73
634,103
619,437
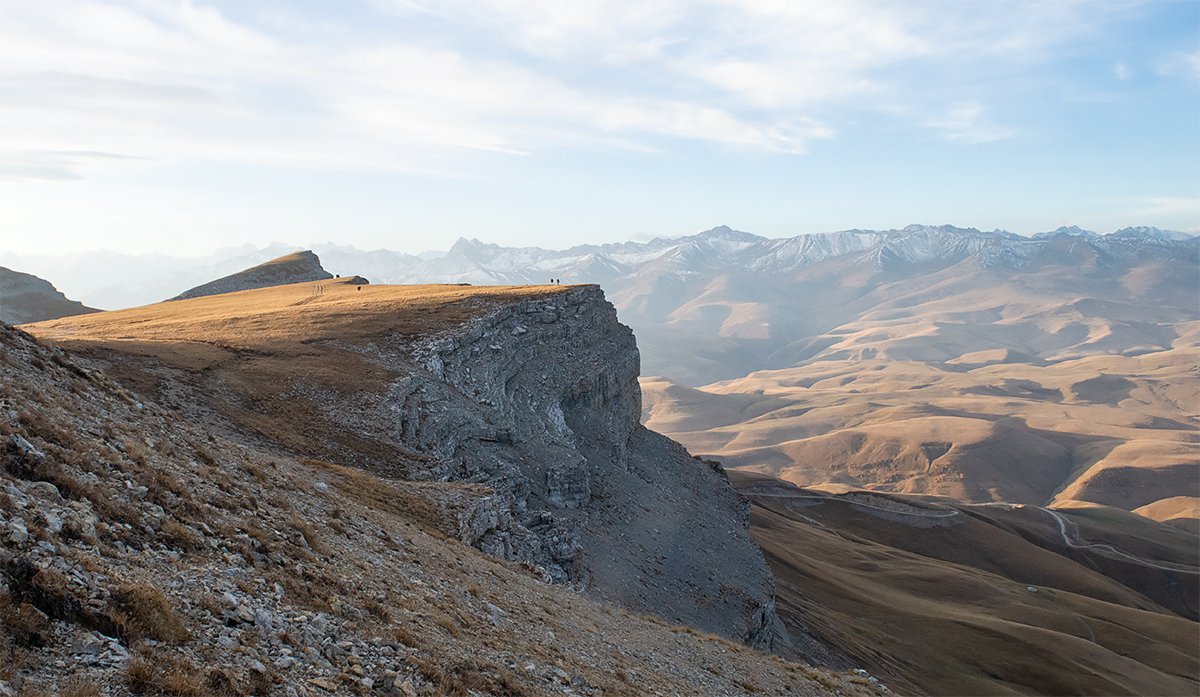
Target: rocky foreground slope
499,418
27,298
297,267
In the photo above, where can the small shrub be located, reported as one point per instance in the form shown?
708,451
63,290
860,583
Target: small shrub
310,536
182,537
143,611
45,429
148,674
27,625
79,687
404,635
378,609
447,623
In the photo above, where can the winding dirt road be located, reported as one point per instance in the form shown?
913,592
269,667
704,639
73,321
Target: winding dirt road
1067,530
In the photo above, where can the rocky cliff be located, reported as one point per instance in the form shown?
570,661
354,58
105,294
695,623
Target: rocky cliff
298,267
539,400
530,392
143,552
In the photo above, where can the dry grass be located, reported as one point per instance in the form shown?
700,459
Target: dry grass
43,428
145,612
864,581
311,538
80,687
161,674
24,624
181,537
269,318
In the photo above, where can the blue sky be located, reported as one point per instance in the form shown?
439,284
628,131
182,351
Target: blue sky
179,127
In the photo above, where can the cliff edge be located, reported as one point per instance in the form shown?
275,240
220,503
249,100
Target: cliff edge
529,391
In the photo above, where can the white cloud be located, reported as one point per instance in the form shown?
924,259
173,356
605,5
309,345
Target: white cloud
1181,63
1188,206
180,80
49,165
967,122
1122,71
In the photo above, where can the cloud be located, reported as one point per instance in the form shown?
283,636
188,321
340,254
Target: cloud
408,85
1181,63
34,165
1122,71
967,122
1188,206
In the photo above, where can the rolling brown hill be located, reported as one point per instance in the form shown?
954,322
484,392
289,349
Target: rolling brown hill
944,598
1117,430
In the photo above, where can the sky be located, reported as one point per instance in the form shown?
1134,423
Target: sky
181,126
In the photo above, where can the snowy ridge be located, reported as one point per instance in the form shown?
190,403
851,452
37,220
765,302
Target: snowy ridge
472,261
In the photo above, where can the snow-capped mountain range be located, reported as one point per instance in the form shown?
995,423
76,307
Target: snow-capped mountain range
721,302
473,261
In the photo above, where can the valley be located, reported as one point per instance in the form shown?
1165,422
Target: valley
944,598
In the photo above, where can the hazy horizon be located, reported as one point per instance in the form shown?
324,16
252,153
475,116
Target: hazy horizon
416,250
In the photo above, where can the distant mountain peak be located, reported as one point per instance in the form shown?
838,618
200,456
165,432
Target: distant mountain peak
297,267
1144,232
945,228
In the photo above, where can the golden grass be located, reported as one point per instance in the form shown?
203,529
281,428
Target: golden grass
291,315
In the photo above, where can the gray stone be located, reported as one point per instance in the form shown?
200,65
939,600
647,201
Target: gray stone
47,490
18,533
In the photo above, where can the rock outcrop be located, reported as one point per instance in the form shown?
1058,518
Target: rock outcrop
27,298
539,400
298,267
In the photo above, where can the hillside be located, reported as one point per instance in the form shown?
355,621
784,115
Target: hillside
145,553
943,598
27,298
297,267
531,391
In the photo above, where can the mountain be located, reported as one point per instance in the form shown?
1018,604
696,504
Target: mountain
529,391
297,267
27,298
978,314
431,490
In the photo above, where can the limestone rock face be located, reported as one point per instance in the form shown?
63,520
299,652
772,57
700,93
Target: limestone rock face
298,267
539,400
